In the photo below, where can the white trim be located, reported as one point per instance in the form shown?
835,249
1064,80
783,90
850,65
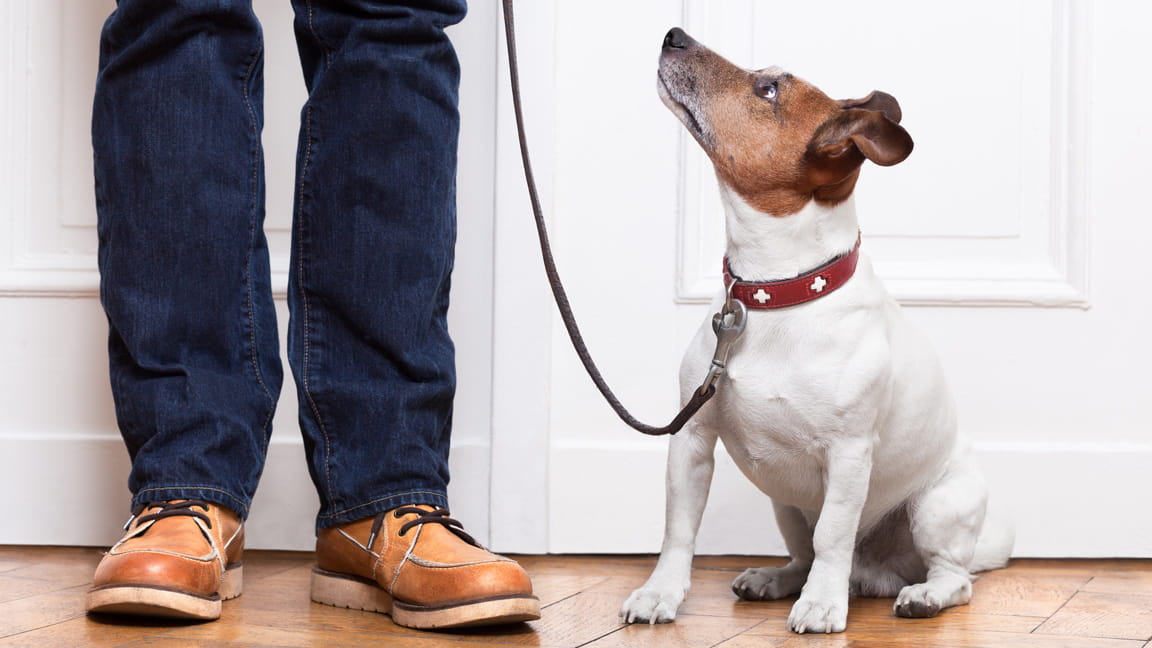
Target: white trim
24,272
522,312
1039,487
14,132
95,466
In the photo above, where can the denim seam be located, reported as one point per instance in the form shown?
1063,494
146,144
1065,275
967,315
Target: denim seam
228,494
319,39
381,499
307,324
245,92
329,496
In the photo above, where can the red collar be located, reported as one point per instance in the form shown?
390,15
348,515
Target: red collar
764,295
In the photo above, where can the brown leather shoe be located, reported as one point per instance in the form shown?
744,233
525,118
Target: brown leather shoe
179,559
418,565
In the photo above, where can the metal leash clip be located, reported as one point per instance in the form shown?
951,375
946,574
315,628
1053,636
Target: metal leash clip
728,325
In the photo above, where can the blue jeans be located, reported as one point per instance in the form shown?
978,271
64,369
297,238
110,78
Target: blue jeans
184,264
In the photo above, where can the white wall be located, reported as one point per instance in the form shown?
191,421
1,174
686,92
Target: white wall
1014,233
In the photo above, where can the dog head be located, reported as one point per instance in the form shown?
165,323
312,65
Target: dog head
775,139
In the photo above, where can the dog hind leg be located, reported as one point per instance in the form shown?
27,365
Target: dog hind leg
770,583
945,520
886,560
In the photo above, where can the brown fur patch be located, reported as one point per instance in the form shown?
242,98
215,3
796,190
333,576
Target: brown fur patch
760,140
760,145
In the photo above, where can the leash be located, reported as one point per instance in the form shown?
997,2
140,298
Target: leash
728,324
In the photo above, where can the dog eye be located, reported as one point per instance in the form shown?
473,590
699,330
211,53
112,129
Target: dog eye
766,90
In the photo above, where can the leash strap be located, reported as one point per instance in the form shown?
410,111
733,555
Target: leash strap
727,319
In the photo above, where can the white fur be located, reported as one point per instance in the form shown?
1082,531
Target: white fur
837,409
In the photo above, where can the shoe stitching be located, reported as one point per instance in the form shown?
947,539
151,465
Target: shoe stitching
354,541
134,533
168,552
235,534
206,529
378,564
407,556
439,565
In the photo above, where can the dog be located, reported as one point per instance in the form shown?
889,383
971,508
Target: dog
832,403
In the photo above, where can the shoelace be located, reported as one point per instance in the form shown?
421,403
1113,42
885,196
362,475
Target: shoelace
435,516
171,509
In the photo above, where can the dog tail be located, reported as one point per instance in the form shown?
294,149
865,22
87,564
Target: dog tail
994,546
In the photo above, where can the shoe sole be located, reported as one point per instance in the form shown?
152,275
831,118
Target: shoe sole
345,591
144,600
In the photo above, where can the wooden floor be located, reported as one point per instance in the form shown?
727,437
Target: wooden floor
1038,604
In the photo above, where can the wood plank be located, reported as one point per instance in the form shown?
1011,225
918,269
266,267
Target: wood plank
1027,591
32,612
89,632
689,631
575,621
875,615
266,636
1130,581
871,623
925,640
1032,604
44,577
711,592
161,642
262,564
1103,614
551,587
33,555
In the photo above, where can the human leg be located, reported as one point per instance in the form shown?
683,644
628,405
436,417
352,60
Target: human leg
193,351
373,235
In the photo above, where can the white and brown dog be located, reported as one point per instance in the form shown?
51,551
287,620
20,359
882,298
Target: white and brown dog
832,404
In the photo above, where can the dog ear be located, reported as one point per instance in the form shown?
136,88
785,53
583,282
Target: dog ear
878,101
841,144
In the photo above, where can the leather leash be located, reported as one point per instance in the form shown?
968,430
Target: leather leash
728,324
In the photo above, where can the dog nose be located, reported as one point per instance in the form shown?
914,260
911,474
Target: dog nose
676,39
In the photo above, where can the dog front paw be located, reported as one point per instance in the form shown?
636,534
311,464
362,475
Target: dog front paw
917,602
812,615
652,605
769,583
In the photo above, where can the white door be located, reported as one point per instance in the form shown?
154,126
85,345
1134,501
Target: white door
1015,234
62,464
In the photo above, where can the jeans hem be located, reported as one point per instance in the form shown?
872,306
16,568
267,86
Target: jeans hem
210,494
379,505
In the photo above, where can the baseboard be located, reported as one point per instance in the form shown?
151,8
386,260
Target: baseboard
1066,501
71,489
